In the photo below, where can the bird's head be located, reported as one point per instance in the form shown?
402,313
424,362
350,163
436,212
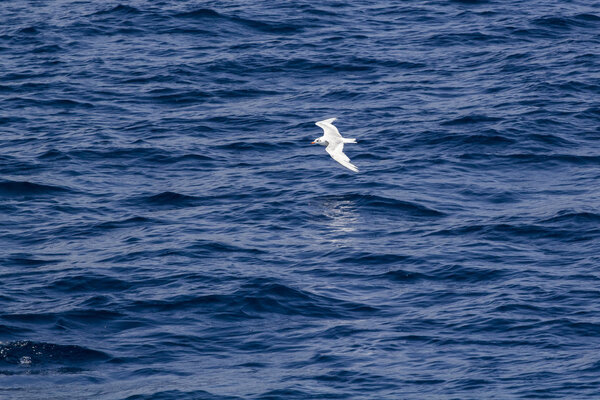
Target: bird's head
320,141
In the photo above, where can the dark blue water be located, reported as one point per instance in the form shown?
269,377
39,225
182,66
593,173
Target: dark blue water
168,232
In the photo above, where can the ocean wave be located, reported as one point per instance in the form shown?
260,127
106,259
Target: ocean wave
574,217
25,188
368,201
446,273
29,30
32,353
257,300
255,146
562,22
27,260
400,275
21,101
180,394
458,39
470,119
507,231
209,15
119,9
199,13
212,247
471,1
177,97
542,160
92,283
275,64
150,155
461,273
458,140
365,258
170,199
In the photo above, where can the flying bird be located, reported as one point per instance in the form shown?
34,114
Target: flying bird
335,143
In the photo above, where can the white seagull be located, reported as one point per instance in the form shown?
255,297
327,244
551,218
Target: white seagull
335,143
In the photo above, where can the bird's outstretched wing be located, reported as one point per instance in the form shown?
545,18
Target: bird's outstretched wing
328,128
336,151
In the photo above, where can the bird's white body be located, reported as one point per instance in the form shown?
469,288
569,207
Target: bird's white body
335,143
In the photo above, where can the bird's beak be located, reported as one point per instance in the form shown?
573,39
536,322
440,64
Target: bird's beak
313,143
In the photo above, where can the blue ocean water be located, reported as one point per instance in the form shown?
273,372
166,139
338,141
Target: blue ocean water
168,232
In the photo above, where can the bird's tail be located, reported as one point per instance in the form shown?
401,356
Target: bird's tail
349,140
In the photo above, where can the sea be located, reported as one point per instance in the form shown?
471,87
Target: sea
168,231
